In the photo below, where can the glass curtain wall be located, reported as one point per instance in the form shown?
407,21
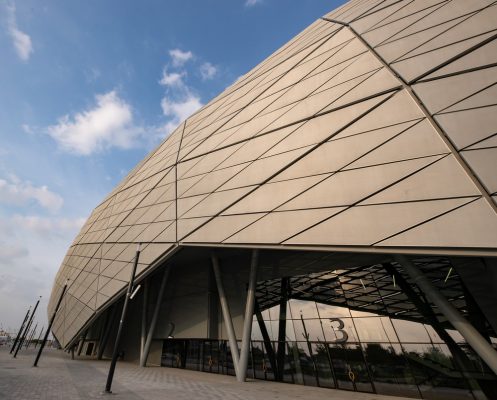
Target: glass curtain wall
396,347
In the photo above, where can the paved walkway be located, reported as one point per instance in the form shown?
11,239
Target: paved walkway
59,377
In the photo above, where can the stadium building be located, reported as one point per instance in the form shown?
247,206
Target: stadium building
330,219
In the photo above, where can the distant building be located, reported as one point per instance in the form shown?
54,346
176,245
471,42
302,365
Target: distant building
354,172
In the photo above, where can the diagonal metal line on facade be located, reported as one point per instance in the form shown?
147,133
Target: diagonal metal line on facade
407,86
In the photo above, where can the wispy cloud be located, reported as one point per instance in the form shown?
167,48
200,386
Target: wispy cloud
19,193
21,40
92,74
8,252
109,123
44,226
179,57
173,79
179,110
208,71
251,3
31,249
180,99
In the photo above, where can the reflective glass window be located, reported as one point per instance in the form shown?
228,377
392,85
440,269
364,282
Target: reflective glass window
375,329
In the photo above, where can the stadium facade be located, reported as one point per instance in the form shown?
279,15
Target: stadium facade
330,219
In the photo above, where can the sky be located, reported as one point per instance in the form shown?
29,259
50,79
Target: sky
87,89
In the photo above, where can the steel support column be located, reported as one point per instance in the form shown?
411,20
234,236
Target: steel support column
143,337
280,355
267,340
472,336
102,343
247,322
228,322
82,342
155,317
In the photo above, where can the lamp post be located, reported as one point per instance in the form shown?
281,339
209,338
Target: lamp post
19,332
115,353
47,332
23,337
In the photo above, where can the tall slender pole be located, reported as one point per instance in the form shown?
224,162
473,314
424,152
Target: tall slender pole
484,349
27,327
47,332
24,337
228,322
155,316
115,353
31,336
249,314
39,337
20,331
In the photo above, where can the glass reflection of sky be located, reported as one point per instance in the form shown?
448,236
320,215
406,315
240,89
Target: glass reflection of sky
320,321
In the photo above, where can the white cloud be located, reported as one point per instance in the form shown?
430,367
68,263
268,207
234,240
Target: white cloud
251,3
8,252
179,110
108,124
31,250
21,40
179,57
27,128
208,71
180,100
173,79
46,227
17,193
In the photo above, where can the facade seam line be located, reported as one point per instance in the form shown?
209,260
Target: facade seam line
176,182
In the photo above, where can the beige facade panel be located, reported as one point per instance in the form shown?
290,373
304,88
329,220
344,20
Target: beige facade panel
454,228
375,130
368,225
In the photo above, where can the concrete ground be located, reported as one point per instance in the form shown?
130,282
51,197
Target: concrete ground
59,377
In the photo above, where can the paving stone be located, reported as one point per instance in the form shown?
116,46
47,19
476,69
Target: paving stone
59,377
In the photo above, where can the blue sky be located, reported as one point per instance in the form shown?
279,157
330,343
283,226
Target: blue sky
87,89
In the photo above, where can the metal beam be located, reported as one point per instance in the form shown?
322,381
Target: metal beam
102,344
228,322
267,340
382,252
280,355
82,342
486,352
212,307
155,316
247,322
